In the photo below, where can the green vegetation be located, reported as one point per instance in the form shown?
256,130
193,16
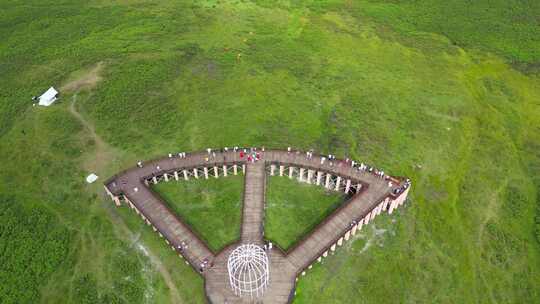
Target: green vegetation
28,237
294,209
445,92
212,208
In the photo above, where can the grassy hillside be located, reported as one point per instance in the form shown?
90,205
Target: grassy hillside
445,93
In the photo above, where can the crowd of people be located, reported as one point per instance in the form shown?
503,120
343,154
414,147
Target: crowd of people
253,154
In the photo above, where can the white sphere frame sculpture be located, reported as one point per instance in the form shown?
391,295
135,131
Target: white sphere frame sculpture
248,270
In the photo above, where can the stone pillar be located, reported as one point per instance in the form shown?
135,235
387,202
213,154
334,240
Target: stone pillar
281,169
310,176
347,235
366,218
379,210
385,204
185,174
115,198
291,169
225,170
319,177
340,241
319,259
301,175
235,169
333,247
216,172
325,254
244,168
327,182
176,175
195,173
404,195
348,186
166,177
205,172
338,181
154,180
360,224
272,169
392,206
373,213
354,228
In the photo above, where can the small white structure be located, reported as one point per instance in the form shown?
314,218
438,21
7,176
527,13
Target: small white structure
48,97
248,270
91,178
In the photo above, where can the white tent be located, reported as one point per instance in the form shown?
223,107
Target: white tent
91,178
48,97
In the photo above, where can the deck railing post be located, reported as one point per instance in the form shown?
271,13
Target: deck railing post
338,181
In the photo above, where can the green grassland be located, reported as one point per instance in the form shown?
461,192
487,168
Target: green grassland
212,208
293,209
445,92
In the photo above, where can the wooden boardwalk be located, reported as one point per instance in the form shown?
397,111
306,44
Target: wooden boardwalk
370,195
253,208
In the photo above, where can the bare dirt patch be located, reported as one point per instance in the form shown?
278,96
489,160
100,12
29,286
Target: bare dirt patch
84,79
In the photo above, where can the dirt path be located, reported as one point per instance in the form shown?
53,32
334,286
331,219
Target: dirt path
84,80
102,155
126,234
491,209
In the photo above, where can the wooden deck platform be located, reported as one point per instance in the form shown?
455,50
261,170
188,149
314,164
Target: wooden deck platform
253,208
371,194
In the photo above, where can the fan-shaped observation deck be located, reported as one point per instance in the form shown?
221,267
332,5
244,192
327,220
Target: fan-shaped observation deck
370,192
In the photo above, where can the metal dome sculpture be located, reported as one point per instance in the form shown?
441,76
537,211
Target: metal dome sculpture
248,270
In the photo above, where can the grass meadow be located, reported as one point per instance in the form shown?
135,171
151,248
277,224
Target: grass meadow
212,208
446,93
293,209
